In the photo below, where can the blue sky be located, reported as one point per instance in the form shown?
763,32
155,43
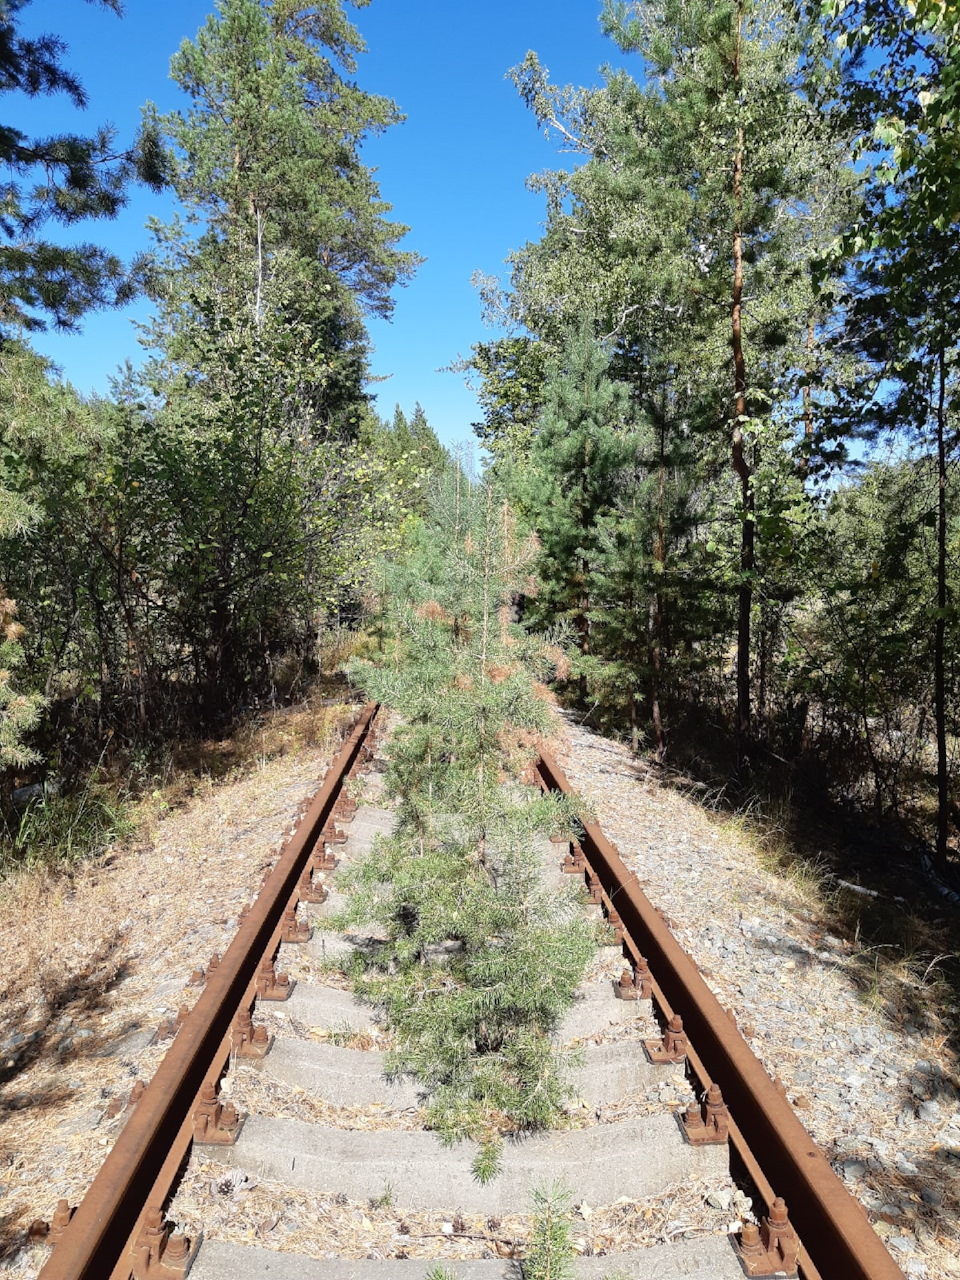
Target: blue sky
454,171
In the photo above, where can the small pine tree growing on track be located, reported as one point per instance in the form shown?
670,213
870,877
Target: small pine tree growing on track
550,1250
482,957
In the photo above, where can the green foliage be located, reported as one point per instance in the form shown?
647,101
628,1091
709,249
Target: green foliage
707,187
19,712
550,1253
63,179
60,830
481,960
174,546
510,376
411,450
862,650
294,226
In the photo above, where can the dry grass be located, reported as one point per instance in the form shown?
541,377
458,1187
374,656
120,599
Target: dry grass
232,1205
92,958
256,741
256,1093
905,966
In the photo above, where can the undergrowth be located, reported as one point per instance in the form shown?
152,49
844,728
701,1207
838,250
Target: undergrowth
59,829
550,1253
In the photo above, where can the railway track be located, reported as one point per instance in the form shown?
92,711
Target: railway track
656,1027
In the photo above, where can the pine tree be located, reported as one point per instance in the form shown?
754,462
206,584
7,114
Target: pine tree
657,236
431,453
577,467
74,178
483,959
268,158
727,77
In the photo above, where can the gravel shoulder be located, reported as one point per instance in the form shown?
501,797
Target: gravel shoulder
879,1096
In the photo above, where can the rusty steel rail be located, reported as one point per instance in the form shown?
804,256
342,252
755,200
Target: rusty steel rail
117,1229
833,1226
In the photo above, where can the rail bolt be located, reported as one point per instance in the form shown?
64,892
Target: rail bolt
772,1249
626,988
294,930
214,1123
170,1026
158,1254
673,1046
307,891
594,888
272,985
575,863
249,1041
615,923
707,1124
61,1217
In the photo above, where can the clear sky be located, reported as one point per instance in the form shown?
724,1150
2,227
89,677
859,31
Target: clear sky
454,171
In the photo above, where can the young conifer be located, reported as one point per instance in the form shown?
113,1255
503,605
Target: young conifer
482,959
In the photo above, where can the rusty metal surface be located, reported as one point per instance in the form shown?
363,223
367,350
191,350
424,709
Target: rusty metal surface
833,1226
97,1241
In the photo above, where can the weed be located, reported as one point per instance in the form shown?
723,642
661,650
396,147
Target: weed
59,830
347,1037
385,1199
488,1160
550,1251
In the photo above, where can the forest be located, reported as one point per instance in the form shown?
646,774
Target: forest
719,402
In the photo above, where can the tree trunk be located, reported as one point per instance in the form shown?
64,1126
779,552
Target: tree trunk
808,399
656,655
811,362
740,463
939,681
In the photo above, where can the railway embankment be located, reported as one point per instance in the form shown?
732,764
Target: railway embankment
879,1096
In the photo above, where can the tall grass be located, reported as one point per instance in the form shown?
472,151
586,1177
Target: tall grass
62,830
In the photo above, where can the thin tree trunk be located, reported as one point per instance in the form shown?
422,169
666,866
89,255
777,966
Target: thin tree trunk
807,392
583,601
740,464
258,313
657,649
939,648
808,399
